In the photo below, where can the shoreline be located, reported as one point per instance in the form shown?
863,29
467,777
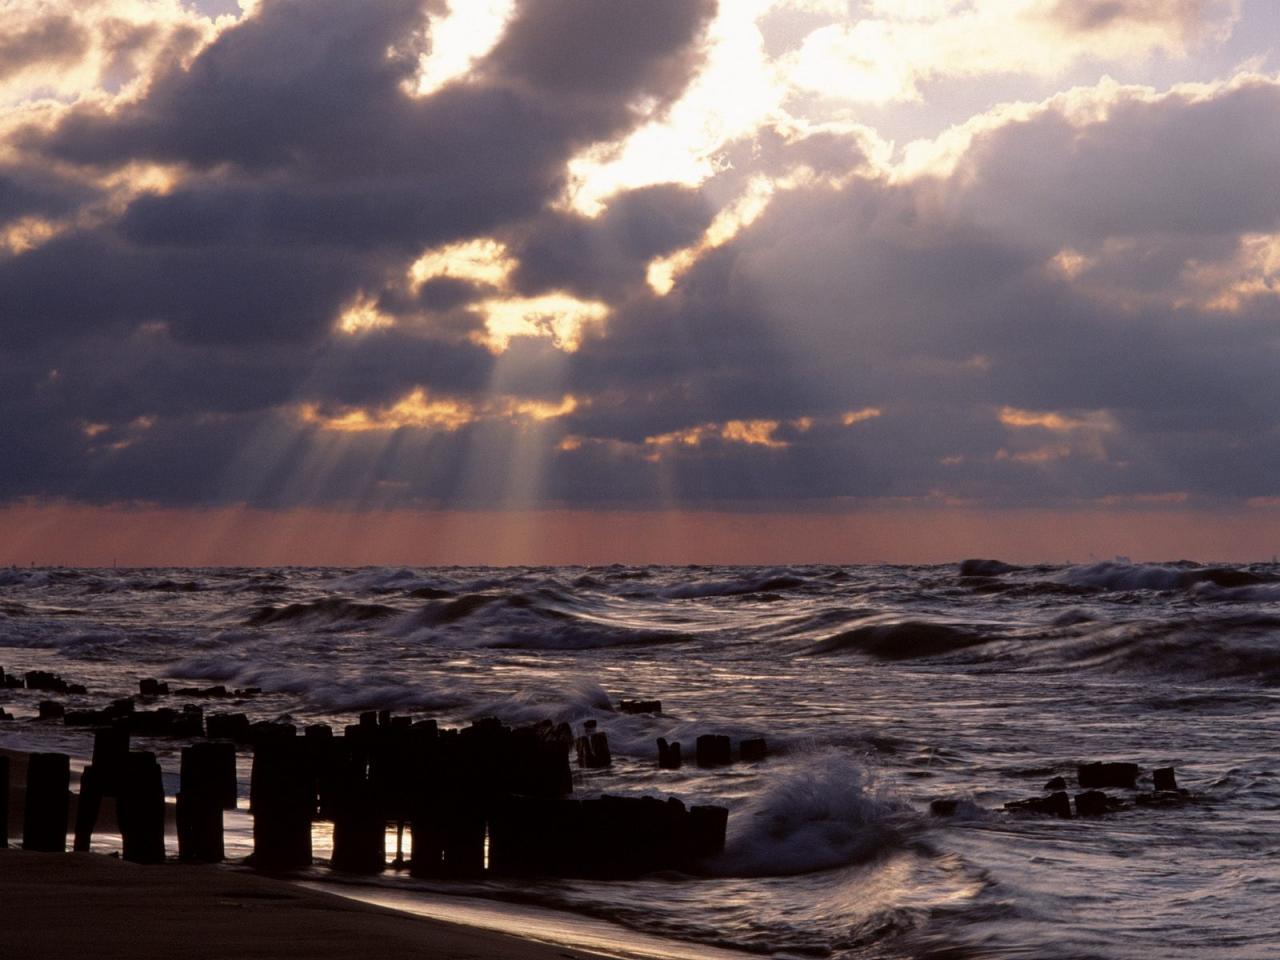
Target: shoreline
107,900
86,904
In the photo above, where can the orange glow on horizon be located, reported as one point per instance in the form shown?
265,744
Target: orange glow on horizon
81,535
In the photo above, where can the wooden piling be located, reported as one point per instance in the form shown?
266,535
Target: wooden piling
284,803
87,806
140,809
4,801
44,822
669,757
207,787
713,750
110,752
359,830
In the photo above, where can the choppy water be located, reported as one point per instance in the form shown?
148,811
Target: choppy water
878,688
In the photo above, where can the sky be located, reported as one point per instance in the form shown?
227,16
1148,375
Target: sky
557,281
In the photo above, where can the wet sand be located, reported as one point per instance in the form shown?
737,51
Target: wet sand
86,905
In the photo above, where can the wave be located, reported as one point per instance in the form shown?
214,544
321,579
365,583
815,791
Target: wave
765,582
903,640
986,568
327,611
319,688
1241,648
824,812
544,619
1161,577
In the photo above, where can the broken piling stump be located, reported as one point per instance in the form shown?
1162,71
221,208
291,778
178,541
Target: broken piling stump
44,822
1057,804
1164,780
110,753
151,687
669,757
359,830
707,827
753,750
593,750
207,787
1091,803
714,750
1096,776
140,809
88,804
4,802
283,800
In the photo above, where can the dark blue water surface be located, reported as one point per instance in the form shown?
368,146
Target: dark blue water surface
879,689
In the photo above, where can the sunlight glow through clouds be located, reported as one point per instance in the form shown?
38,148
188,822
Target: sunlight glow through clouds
106,50
751,433
1055,421
417,410
557,316
886,56
466,33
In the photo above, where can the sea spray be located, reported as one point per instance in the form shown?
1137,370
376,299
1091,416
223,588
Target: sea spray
820,811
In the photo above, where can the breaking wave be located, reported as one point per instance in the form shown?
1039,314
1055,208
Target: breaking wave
325,612
824,812
905,640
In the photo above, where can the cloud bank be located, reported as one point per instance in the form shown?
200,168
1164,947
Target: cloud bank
275,259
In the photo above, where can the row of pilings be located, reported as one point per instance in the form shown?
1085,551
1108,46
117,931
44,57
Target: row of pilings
483,799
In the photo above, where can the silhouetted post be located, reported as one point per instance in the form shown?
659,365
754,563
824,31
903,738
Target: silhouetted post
753,751
359,830
714,751
284,802
4,798
110,752
202,796
669,757
1095,776
141,809
1164,780
44,822
707,827
87,806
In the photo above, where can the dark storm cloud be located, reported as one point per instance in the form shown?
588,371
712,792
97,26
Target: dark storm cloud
602,54
937,302
608,254
310,177
87,284
52,39
1181,166
27,191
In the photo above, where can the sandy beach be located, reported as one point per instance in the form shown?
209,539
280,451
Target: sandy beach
68,905
72,905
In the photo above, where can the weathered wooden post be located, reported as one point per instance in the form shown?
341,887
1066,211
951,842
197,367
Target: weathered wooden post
669,757
87,805
707,827
4,794
202,796
110,753
713,750
44,821
359,829
141,809
284,803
